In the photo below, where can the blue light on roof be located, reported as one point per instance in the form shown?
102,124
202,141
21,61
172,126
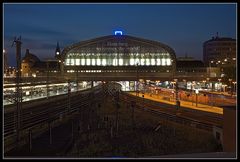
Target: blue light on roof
118,32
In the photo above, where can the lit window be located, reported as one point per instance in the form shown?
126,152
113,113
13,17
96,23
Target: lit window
147,62
72,62
163,61
120,62
153,62
131,61
142,61
88,61
137,61
168,61
158,61
114,62
93,62
67,61
77,61
104,62
83,62
98,62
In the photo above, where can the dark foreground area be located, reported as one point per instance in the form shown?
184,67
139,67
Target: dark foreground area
108,129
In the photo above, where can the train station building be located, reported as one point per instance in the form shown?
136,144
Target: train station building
118,56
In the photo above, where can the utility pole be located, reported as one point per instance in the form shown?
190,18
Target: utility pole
137,88
18,89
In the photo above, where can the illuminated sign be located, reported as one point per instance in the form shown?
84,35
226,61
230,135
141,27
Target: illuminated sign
118,32
117,44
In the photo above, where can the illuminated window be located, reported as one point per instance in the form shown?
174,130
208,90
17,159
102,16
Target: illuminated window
131,61
77,61
153,62
163,61
93,62
142,61
158,61
137,61
88,61
120,62
104,62
67,61
147,62
126,62
168,61
114,62
83,62
98,62
72,62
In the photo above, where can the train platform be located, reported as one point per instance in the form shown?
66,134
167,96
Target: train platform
186,104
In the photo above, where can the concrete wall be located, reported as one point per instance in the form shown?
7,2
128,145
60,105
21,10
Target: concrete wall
229,129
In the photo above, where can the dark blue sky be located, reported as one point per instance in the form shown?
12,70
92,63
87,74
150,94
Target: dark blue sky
184,27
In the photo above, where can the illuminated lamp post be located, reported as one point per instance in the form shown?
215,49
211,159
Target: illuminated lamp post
192,83
173,87
176,89
204,83
137,82
207,81
219,81
234,83
224,87
210,65
185,83
196,91
230,84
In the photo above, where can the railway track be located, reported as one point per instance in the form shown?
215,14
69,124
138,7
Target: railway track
196,119
42,114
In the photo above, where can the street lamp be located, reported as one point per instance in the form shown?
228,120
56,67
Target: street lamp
208,82
196,91
234,86
185,83
224,87
219,81
210,65
230,83
137,82
191,91
176,88
204,83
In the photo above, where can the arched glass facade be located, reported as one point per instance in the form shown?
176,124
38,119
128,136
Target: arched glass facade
118,52
104,58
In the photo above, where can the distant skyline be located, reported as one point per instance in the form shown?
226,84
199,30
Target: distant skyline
183,26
